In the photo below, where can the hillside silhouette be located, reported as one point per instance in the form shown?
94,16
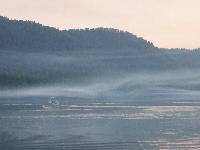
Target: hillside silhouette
29,35
32,54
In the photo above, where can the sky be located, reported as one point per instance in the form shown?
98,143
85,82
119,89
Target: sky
166,23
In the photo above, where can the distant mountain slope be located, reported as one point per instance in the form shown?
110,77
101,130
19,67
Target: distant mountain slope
32,55
29,35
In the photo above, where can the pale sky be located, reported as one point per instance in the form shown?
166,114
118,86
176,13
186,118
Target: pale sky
167,23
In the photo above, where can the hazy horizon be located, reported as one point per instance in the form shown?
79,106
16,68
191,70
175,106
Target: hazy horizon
168,24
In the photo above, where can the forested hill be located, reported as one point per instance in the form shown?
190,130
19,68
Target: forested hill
33,55
28,35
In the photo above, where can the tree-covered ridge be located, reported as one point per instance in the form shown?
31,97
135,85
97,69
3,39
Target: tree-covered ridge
18,34
32,55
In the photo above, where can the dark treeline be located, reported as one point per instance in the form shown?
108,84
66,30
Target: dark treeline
32,54
29,35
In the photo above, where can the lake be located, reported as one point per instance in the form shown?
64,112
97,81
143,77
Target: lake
32,123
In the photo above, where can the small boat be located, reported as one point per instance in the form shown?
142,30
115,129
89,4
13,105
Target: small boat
52,101
52,104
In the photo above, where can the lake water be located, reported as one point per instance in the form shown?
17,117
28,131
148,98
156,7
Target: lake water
32,123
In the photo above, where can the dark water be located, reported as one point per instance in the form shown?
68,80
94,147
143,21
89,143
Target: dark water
31,123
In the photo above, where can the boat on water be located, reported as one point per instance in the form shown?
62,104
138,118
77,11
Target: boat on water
53,103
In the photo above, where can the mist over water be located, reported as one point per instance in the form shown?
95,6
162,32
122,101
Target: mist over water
129,86
136,110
